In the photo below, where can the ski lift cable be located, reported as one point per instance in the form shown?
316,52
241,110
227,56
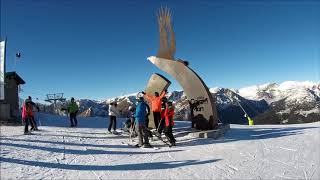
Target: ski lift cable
237,100
247,106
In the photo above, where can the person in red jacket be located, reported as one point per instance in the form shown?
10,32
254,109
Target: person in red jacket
169,123
155,105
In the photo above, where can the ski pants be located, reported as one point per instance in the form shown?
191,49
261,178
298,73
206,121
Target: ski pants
161,126
27,121
169,135
112,122
142,133
33,122
156,118
73,119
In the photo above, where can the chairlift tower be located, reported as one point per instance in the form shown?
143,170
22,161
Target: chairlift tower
53,98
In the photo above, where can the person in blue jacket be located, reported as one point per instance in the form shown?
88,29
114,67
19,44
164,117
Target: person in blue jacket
140,121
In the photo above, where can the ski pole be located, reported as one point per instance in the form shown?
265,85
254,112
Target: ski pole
159,125
131,131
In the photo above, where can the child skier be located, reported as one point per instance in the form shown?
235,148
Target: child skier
169,123
140,117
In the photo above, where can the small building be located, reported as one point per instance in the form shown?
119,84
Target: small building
9,107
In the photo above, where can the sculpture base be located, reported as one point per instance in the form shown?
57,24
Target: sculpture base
216,133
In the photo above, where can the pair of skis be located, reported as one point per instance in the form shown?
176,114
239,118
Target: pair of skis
130,140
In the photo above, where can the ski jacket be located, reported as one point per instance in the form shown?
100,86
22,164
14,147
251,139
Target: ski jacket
29,108
169,113
29,105
72,107
113,111
24,113
155,101
141,112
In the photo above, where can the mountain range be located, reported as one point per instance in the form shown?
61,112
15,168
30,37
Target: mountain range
286,103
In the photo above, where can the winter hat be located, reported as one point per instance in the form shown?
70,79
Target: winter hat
139,94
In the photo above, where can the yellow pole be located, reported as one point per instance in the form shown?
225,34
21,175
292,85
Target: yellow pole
250,121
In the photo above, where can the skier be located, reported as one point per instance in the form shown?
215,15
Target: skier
113,113
169,123
73,110
162,121
30,105
25,118
140,117
155,105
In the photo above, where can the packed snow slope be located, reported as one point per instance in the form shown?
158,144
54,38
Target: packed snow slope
87,152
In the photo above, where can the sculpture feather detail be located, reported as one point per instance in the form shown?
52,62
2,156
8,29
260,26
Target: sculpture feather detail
167,48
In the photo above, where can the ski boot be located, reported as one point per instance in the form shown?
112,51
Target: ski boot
138,145
147,145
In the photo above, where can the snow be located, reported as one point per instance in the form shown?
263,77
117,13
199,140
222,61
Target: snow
87,152
296,84
312,111
215,90
294,92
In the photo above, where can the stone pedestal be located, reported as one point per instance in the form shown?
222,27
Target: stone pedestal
216,133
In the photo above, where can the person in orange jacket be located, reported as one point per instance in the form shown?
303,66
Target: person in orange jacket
169,123
155,105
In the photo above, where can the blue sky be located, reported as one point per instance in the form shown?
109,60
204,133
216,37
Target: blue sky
97,49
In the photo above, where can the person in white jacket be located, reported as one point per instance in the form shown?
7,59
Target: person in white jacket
113,113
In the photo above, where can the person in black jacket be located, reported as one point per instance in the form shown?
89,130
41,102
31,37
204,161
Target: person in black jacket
31,104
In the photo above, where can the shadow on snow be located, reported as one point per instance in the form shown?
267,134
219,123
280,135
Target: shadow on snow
243,134
120,167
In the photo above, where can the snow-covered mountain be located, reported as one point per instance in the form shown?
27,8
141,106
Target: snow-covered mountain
288,102
227,106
